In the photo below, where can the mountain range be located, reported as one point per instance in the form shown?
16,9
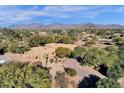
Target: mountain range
66,26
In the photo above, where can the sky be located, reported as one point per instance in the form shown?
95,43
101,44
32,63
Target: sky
20,14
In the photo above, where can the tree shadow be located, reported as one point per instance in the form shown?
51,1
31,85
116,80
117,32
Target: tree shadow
88,82
79,59
103,69
1,51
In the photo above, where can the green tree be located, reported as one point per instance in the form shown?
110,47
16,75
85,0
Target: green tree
116,71
24,75
107,83
79,52
96,56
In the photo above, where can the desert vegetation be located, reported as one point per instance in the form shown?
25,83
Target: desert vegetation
47,51
24,75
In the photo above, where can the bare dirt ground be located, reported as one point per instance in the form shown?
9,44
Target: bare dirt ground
39,53
36,53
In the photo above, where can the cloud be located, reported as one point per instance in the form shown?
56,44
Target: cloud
15,14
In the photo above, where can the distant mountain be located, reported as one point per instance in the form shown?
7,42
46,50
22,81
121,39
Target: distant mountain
66,26
28,26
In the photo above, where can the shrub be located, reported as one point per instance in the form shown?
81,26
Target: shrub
116,71
40,40
60,80
112,49
47,39
63,39
119,40
62,52
107,83
70,71
14,48
34,41
96,56
4,46
24,75
91,42
79,52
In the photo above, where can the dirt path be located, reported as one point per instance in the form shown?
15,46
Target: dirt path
82,71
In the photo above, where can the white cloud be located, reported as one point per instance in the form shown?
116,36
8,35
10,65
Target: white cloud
12,14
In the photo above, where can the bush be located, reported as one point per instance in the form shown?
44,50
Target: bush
63,39
96,56
34,41
115,72
121,52
60,80
9,33
79,52
70,71
107,83
40,40
112,49
119,40
47,39
24,75
91,42
14,48
62,52
4,46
